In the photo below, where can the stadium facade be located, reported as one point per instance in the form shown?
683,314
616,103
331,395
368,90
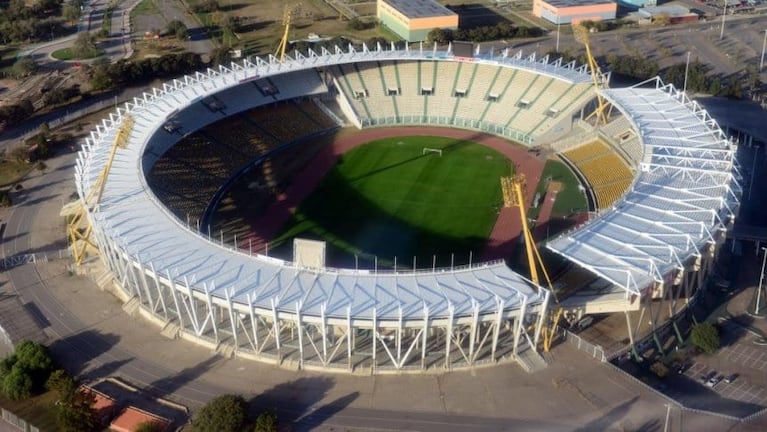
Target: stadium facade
255,306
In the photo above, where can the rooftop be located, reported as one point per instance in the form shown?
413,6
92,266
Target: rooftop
687,190
420,8
576,3
130,419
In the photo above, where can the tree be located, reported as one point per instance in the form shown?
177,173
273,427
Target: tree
34,356
178,29
357,24
5,201
440,36
266,422
17,384
149,426
84,46
74,407
25,371
659,369
24,67
221,56
225,413
63,384
78,415
706,337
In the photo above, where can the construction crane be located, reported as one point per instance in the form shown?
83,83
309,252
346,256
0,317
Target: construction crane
287,18
514,196
602,112
79,228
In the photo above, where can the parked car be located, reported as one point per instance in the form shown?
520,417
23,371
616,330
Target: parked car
714,380
705,378
731,378
683,368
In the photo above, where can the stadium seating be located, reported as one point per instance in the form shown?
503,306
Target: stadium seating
450,92
188,175
607,173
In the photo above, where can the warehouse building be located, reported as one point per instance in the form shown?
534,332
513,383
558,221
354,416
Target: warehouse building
574,11
412,20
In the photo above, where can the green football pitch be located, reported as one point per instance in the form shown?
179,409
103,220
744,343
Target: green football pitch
389,199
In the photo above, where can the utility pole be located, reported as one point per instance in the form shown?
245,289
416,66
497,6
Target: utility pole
724,14
764,45
757,304
686,71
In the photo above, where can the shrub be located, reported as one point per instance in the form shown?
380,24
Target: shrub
225,413
659,369
706,337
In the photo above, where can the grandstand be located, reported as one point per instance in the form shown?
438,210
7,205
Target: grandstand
462,94
606,172
241,303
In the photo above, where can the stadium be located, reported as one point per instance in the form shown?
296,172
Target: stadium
660,177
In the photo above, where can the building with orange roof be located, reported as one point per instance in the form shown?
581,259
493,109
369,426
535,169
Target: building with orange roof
104,406
131,418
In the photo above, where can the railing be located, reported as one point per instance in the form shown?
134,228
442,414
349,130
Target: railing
593,350
17,422
482,126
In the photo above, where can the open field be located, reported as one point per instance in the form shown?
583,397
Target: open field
388,199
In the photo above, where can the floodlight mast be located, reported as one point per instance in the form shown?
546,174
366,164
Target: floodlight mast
287,19
79,235
602,112
516,198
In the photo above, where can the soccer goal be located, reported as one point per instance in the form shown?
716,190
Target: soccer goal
431,150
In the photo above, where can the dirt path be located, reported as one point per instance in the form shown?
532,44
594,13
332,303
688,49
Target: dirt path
507,227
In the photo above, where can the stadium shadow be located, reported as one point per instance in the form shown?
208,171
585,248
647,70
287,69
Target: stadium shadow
370,234
292,401
170,384
611,417
76,352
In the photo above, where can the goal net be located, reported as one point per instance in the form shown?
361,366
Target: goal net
431,150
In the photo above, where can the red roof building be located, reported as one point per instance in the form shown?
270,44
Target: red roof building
131,417
104,406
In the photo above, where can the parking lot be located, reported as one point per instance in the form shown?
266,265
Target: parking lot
741,389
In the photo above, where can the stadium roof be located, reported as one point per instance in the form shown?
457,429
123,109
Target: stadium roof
130,216
420,8
687,190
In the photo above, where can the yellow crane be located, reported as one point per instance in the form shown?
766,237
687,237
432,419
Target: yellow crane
602,112
287,18
79,228
514,196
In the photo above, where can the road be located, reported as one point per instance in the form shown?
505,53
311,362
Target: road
118,45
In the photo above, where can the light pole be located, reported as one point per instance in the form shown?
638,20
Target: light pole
724,14
558,39
686,70
757,305
764,45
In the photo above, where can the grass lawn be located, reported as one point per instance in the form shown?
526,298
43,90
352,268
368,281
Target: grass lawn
11,172
7,59
67,54
387,199
570,197
145,7
37,411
